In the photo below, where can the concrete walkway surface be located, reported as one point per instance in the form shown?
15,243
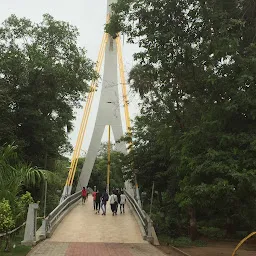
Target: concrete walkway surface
84,233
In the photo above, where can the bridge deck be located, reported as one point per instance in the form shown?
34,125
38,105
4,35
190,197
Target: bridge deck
82,232
83,225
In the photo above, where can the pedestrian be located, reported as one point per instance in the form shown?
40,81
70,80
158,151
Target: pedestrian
113,203
97,201
104,199
87,189
118,194
94,198
122,202
84,194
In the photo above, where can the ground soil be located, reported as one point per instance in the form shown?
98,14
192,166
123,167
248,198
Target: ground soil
216,249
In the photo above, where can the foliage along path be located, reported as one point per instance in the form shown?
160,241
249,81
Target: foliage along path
82,232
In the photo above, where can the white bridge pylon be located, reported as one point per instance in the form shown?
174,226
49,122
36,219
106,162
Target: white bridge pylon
109,112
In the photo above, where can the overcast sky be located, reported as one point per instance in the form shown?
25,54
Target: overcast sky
89,17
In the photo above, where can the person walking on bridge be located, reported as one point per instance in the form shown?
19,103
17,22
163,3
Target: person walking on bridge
104,199
97,201
84,195
118,194
122,202
94,198
113,203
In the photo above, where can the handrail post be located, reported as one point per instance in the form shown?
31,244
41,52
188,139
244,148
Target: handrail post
30,229
149,234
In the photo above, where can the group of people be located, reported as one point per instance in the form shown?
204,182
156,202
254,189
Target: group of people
100,201
117,198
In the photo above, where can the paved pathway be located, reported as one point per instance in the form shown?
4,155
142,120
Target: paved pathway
82,232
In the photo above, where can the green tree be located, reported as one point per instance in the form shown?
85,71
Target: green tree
196,76
43,76
99,173
16,175
6,220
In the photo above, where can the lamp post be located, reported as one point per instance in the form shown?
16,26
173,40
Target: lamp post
45,196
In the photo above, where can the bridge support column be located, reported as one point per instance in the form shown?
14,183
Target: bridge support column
31,223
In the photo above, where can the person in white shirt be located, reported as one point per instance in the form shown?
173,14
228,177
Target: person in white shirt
122,202
113,203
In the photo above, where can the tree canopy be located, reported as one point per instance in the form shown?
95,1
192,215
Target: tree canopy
195,137
43,76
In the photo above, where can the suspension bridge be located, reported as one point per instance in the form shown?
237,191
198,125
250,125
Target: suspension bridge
73,228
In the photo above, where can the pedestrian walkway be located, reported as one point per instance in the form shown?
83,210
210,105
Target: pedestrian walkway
82,232
83,225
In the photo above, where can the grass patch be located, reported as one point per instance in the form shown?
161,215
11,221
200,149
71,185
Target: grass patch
19,250
16,248
181,242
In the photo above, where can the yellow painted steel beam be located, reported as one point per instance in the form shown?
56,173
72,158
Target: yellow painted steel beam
123,84
87,113
79,138
87,108
241,242
124,92
83,125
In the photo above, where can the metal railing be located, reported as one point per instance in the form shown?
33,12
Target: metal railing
54,216
144,218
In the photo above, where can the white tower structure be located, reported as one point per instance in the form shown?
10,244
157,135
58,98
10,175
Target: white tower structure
109,112
109,109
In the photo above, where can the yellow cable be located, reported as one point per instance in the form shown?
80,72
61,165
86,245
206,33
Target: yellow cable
78,139
76,152
123,83
86,115
242,241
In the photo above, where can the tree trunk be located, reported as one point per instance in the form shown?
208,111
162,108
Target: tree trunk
7,245
230,230
192,223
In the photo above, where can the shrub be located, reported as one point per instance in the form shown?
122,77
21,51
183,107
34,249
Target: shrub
6,218
212,232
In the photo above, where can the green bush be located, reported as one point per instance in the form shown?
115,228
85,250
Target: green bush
22,204
180,241
241,234
212,232
6,218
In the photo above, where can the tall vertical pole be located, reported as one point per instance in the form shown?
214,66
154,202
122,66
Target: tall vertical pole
126,108
108,174
45,197
152,197
150,223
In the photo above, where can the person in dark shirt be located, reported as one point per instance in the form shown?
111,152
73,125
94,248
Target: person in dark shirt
104,200
97,201
118,194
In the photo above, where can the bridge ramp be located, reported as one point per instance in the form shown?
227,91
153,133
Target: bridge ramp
83,225
84,233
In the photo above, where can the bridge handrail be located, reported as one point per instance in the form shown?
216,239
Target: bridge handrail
56,213
141,214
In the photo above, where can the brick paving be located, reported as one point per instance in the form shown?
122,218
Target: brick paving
48,248
84,233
